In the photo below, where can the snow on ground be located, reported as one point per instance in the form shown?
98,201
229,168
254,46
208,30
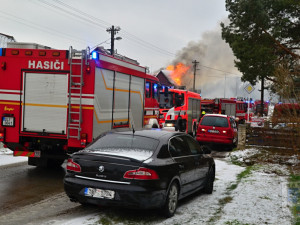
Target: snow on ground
240,156
258,198
7,158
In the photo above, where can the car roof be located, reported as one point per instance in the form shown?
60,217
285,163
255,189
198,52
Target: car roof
151,133
216,115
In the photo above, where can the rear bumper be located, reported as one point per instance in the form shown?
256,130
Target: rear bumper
218,140
125,195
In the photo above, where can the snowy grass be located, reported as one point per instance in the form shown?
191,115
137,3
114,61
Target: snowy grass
294,191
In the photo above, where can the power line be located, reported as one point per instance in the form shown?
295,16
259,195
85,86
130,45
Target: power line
223,71
38,27
102,24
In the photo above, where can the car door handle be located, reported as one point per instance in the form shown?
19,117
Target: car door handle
181,166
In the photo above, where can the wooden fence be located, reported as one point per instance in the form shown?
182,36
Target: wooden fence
284,138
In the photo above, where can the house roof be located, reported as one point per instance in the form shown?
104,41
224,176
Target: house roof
164,79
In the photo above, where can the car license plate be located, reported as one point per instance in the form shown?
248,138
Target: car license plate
99,193
8,121
213,131
37,154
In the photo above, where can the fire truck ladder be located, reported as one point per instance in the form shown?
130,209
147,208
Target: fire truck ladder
76,59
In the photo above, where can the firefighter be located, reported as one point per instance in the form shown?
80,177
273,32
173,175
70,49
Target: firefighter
202,114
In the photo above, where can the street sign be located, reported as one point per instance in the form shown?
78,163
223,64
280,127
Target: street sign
249,88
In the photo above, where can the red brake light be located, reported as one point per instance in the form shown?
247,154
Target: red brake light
141,174
26,144
3,65
72,166
88,69
83,139
1,134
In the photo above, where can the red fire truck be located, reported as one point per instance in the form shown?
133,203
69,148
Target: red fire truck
230,107
180,109
257,108
55,102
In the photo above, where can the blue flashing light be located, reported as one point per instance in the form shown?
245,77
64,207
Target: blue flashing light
94,55
155,86
0,51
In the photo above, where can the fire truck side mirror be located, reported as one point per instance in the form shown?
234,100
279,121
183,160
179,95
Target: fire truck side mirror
178,100
166,92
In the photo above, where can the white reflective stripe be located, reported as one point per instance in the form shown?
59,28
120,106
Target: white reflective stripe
10,97
83,95
151,108
84,101
12,91
121,63
107,181
240,114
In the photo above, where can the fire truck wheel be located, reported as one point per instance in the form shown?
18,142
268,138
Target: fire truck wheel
194,131
154,125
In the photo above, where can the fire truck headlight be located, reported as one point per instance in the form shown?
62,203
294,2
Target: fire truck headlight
169,124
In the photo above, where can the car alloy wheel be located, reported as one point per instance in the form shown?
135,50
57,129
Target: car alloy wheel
171,201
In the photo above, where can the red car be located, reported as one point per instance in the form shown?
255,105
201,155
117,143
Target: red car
217,129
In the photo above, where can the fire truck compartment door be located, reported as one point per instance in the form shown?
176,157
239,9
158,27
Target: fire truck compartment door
45,102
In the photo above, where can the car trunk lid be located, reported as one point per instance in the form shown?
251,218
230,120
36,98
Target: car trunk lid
107,167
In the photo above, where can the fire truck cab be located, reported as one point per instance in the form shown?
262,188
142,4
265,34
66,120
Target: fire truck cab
231,107
180,109
55,102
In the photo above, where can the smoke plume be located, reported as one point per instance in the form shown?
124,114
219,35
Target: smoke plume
215,68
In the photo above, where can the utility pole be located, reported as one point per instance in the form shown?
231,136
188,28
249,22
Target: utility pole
195,69
225,85
113,31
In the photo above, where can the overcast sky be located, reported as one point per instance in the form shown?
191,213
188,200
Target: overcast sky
154,32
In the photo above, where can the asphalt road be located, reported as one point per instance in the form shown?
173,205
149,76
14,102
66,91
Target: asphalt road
22,190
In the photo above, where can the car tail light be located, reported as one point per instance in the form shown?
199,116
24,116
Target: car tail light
1,134
141,174
72,166
83,140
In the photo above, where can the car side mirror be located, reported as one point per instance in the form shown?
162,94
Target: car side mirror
206,149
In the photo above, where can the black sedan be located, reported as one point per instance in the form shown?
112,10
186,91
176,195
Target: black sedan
142,169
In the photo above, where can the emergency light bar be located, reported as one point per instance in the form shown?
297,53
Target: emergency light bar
95,55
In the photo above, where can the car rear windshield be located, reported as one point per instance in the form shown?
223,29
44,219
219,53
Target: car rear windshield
138,147
214,121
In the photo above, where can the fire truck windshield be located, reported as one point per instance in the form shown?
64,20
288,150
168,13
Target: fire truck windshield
166,100
170,99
